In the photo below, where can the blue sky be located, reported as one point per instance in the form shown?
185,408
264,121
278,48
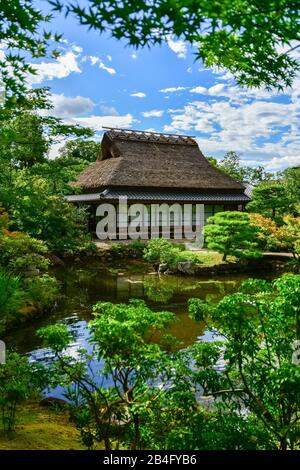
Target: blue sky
99,81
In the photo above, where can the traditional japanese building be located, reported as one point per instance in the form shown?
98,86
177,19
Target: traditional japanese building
152,168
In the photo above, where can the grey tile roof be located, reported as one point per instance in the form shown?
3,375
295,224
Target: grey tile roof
169,196
83,197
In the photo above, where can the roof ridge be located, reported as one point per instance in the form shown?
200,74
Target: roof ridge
149,136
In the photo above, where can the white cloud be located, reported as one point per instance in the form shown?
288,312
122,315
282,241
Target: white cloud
62,67
234,93
262,130
199,89
217,89
76,49
97,122
109,58
138,94
65,106
178,46
133,56
93,59
97,61
109,110
220,89
278,163
153,113
110,70
173,89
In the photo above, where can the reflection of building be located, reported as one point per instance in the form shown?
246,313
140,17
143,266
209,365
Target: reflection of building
152,168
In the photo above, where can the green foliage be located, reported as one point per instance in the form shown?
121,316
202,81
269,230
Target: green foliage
228,34
198,309
291,181
36,211
22,254
153,398
20,380
131,324
120,336
244,37
217,431
160,251
56,336
271,200
158,288
230,233
58,173
26,135
22,141
31,185
212,160
231,165
12,296
23,285
72,159
22,29
42,291
133,249
260,324
78,149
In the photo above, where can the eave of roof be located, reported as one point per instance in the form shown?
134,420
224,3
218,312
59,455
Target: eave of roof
112,195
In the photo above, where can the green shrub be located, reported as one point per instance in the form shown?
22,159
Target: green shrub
22,254
133,249
46,216
162,251
118,250
136,247
19,381
42,291
12,295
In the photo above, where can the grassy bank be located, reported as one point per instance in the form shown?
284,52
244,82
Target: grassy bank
40,428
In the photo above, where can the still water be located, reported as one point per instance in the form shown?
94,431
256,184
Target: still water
82,286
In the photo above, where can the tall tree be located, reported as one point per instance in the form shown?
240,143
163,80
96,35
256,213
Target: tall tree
271,200
87,150
231,165
24,143
291,180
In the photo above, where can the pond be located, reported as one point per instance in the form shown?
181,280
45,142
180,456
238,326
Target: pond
82,286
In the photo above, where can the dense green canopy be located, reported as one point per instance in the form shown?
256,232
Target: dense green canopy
250,38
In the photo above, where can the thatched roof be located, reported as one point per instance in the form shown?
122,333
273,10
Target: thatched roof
134,159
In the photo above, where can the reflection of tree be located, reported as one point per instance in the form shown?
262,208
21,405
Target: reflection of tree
162,288
159,289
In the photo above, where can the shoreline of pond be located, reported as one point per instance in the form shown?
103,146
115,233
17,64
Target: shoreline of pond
113,263
84,281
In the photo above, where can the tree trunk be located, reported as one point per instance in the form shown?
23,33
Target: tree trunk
224,257
136,439
283,443
107,443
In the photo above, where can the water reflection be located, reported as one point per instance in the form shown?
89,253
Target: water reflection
83,286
